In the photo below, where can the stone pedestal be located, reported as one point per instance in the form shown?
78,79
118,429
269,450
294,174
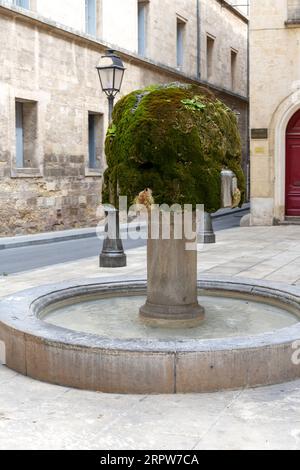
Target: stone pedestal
172,299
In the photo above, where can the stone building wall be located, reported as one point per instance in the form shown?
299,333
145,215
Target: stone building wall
274,98
231,34
117,24
52,69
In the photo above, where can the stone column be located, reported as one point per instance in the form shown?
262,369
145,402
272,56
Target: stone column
172,299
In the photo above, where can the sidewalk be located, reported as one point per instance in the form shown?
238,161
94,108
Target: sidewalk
81,233
39,415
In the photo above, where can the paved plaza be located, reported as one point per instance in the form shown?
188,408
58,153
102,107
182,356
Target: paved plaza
35,415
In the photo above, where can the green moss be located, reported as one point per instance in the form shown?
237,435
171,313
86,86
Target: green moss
174,139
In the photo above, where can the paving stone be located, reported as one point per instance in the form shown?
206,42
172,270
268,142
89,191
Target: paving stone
35,415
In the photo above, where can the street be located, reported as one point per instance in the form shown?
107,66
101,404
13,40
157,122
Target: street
190,112
17,260
38,415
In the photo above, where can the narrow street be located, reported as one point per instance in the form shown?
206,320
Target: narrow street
17,260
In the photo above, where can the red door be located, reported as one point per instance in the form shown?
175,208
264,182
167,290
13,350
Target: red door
293,167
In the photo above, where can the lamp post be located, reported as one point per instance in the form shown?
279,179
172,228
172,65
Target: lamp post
111,73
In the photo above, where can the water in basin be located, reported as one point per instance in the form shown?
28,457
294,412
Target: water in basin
118,317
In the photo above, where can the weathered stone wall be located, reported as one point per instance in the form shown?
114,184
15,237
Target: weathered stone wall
47,204
58,190
55,69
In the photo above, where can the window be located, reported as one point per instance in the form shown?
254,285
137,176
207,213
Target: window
233,66
26,134
142,18
180,42
22,3
95,140
19,136
90,17
294,10
210,45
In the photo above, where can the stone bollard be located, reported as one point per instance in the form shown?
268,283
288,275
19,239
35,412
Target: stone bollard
112,255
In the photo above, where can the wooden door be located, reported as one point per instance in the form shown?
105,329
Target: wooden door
293,167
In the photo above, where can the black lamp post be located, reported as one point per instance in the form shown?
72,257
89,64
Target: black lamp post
111,73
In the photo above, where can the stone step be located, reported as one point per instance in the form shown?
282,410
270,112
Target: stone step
291,221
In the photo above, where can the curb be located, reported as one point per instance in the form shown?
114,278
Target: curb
225,212
69,235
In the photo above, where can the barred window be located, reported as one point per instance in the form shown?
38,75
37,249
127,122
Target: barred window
26,134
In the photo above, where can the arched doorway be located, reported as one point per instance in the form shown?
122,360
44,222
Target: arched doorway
292,186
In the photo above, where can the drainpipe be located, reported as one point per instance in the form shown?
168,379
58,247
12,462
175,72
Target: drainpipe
198,39
248,114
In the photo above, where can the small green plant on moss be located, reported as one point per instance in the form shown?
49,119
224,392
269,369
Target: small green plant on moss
174,139
193,104
111,132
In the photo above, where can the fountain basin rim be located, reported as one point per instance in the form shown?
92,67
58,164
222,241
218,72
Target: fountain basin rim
20,312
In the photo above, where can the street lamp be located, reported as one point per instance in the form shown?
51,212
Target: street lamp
111,73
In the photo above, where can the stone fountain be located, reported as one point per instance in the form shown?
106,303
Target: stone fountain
171,333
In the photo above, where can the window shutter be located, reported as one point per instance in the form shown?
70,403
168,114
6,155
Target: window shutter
92,141
23,3
86,16
180,34
90,15
19,136
141,29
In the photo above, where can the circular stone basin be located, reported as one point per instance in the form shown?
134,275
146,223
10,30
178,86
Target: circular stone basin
118,317
89,336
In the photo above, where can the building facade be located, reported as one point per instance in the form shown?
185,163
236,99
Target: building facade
275,115
53,115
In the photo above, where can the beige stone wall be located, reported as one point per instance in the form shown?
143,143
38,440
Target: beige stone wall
55,70
117,24
162,26
242,5
274,97
230,33
229,30
69,12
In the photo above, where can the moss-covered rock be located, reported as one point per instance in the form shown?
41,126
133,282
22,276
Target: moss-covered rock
174,139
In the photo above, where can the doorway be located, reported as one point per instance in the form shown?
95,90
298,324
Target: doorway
292,190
